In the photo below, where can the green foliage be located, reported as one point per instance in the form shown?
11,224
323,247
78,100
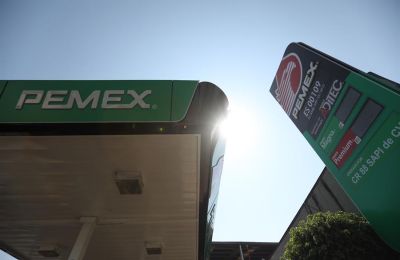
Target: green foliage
335,235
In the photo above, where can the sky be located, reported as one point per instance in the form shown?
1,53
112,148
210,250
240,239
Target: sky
269,167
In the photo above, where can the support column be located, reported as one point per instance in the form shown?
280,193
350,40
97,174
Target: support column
83,239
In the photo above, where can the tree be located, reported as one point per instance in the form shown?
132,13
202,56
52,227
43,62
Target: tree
336,235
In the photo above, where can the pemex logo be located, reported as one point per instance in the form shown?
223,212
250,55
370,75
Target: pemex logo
288,79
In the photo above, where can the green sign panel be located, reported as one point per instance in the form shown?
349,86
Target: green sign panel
352,120
94,101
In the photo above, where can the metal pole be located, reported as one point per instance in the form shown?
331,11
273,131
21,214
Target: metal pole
83,239
241,252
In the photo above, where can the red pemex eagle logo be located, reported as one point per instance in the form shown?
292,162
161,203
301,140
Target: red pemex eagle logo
288,79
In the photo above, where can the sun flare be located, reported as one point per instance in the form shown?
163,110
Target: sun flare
240,129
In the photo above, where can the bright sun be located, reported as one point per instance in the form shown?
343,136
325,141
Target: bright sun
240,128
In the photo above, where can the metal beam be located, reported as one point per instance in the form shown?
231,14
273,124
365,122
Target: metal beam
241,252
83,239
